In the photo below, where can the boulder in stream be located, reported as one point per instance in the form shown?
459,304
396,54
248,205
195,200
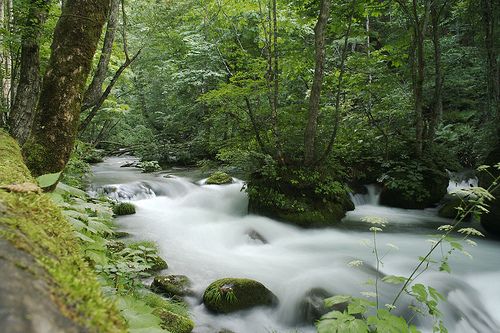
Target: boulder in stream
219,178
173,322
231,294
124,208
172,285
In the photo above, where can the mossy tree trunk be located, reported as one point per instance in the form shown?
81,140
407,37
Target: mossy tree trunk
76,36
23,109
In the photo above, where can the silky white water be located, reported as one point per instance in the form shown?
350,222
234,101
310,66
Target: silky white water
203,232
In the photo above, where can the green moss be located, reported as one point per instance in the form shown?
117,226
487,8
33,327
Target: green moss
307,198
219,178
124,208
173,322
32,223
172,285
230,295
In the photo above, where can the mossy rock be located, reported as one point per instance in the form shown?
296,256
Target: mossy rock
435,184
219,178
306,198
173,322
124,208
115,246
231,294
159,264
172,285
149,166
120,234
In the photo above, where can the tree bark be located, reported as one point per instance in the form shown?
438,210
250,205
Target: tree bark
489,15
23,109
340,85
315,98
94,91
76,36
437,111
7,18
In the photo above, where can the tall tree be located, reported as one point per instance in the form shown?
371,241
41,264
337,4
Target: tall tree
315,98
417,13
23,109
76,36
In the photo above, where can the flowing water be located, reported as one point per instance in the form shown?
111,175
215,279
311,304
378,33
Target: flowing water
204,232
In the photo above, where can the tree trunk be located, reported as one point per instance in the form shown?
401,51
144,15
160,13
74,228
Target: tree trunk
94,91
419,92
6,57
340,86
490,13
76,36
23,109
437,111
315,98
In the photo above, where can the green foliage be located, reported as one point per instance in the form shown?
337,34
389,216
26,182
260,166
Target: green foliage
124,208
46,181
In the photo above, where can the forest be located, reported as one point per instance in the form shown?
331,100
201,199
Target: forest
213,133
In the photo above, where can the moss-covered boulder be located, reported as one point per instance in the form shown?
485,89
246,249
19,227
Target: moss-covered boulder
230,295
307,198
417,186
174,323
149,166
219,178
172,285
124,208
491,220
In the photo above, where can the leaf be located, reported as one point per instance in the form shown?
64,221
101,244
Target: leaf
445,267
48,180
393,279
339,299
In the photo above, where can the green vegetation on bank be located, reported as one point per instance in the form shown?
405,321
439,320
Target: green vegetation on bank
96,280
33,223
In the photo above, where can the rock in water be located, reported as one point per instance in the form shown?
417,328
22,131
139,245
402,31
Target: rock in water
172,285
230,295
219,178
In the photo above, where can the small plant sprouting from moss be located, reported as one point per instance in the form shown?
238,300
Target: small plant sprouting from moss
124,208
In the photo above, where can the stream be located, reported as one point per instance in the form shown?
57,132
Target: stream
204,232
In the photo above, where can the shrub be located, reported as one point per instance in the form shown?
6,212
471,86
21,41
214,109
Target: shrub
149,166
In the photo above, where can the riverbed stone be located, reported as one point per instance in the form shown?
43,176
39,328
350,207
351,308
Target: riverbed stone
256,236
172,285
233,294
219,178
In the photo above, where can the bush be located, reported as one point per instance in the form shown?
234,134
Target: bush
124,208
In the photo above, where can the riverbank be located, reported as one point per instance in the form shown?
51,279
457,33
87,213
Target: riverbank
63,268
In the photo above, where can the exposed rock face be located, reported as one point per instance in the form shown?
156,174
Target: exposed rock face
230,295
26,305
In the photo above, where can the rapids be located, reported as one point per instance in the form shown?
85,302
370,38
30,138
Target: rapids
204,232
